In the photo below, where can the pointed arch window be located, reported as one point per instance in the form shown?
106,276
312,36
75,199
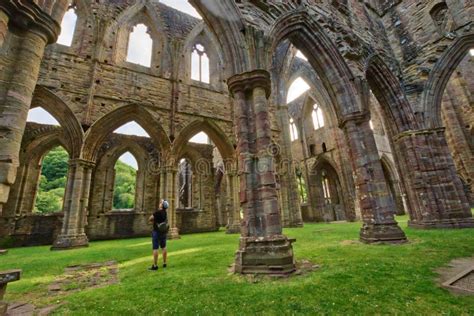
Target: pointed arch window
317,116
185,183
68,26
293,130
326,188
52,182
140,46
200,64
302,186
125,182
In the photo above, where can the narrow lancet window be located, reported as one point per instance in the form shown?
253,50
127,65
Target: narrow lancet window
140,46
68,26
200,64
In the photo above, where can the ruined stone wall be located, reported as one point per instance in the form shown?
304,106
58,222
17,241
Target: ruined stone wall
458,118
202,215
419,33
92,80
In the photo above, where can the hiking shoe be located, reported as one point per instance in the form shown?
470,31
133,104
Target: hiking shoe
153,268
164,265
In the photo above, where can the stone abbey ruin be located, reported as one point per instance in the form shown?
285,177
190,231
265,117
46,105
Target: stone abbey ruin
382,124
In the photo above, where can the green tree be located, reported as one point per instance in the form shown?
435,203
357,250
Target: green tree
52,181
125,183
55,164
48,202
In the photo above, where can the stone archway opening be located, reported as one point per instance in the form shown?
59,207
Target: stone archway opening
202,188
125,182
457,118
52,182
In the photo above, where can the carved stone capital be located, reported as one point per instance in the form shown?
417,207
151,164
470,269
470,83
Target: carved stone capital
27,15
359,117
248,81
419,132
86,164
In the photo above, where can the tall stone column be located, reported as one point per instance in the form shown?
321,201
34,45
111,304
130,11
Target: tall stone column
377,206
76,202
436,196
19,72
263,248
171,189
233,225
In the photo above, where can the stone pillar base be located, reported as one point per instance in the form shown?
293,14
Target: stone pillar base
64,242
443,223
233,229
173,233
265,255
382,233
294,225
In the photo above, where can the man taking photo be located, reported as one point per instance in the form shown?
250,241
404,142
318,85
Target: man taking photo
159,219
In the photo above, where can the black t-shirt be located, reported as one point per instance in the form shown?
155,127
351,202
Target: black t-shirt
159,216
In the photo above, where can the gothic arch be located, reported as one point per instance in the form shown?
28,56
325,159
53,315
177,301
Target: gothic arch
73,133
83,13
117,33
306,34
224,20
40,141
326,199
110,157
104,126
102,195
201,35
317,93
439,77
36,144
398,113
217,136
392,180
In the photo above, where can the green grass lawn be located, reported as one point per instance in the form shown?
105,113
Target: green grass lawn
353,278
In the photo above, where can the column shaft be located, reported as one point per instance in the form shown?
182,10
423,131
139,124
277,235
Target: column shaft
377,206
436,196
75,206
263,249
20,75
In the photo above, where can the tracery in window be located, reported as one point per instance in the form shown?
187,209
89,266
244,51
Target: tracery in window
140,46
200,64
326,189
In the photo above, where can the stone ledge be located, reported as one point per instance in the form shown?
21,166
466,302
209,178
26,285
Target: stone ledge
269,256
9,276
443,223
